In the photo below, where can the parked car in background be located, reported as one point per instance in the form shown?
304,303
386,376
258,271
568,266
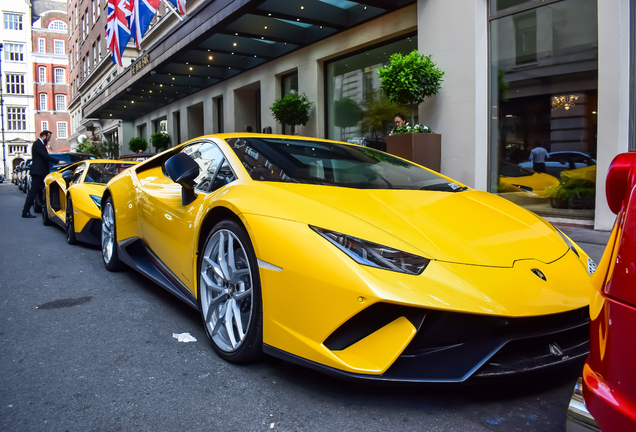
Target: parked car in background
73,196
137,156
563,160
605,398
516,179
14,175
23,176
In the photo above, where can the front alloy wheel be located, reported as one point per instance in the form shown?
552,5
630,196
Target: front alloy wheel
109,235
229,294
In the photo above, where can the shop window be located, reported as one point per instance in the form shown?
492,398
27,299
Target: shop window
543,93
357,111
289,85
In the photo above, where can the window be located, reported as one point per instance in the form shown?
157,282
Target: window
83,29
76,51
14,52
209,157
60,102
16,118
44,125
62,129
43,101
58,46
93,6
532,50
99,47
41,45
99,6
352,83
94,55
42,74
58,25
76,15
15,83
59,76
12,21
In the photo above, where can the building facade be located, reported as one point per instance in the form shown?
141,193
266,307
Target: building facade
17,85
555,73
50,72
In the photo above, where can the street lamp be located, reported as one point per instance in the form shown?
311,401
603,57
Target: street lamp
4,147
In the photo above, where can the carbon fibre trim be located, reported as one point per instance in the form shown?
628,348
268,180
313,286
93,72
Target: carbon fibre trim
135,253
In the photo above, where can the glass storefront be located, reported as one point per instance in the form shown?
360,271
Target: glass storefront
357,111
543,93
289,85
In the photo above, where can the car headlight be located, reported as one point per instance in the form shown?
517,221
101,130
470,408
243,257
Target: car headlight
375,255
569,243
97,200
591,265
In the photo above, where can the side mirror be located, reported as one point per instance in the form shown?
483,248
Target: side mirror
182,169
67,176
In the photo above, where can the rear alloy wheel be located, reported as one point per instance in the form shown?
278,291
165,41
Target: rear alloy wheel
109,237
230,294
71,238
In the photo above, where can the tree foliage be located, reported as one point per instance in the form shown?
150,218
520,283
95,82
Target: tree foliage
160,141
346,112
410,79
292,109
137,143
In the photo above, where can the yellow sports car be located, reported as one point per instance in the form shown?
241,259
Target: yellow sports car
515,178
349,260
73,197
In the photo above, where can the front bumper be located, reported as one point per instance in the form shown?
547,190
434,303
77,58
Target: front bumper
579,418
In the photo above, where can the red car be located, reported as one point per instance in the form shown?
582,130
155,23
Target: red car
605,397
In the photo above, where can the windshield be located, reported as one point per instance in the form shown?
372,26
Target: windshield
332,164
103,172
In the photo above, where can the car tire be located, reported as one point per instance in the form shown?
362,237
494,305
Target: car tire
110,255
46,221
71,238
229,294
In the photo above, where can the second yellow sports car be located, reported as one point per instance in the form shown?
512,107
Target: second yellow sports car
349,260
73,194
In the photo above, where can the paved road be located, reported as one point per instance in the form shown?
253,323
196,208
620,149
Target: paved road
82,349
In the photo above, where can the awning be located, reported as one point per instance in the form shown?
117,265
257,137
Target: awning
222,39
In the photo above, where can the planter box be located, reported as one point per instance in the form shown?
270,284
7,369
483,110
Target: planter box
422,148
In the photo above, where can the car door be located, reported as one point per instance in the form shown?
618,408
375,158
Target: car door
168,227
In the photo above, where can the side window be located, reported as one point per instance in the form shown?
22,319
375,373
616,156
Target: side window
77,175
224,176
209,157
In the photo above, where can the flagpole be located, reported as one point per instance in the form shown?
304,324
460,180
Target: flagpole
172,9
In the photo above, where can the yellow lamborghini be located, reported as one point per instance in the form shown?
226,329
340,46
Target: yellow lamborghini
73,194
349,260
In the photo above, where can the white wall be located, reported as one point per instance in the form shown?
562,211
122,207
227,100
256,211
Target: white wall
455,33
613,97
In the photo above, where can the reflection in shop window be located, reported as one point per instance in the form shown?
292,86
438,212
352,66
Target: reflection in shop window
544,91
357,111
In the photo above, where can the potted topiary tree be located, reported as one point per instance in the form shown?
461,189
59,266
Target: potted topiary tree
347,113
137,143
292,110
160,141
409,80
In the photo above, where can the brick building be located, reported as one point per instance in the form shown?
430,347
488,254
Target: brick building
50,71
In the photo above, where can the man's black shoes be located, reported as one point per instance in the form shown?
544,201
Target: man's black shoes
28,215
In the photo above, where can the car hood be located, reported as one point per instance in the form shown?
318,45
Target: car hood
92,188
469,227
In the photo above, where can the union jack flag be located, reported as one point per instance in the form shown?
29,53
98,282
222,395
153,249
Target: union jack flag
179,4
143,12
118,28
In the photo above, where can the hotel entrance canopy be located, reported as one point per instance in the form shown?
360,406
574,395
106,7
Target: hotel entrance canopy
222,39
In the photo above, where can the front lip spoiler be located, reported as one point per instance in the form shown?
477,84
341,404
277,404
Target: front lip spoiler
579,418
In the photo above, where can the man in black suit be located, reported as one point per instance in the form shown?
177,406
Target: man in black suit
39,170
